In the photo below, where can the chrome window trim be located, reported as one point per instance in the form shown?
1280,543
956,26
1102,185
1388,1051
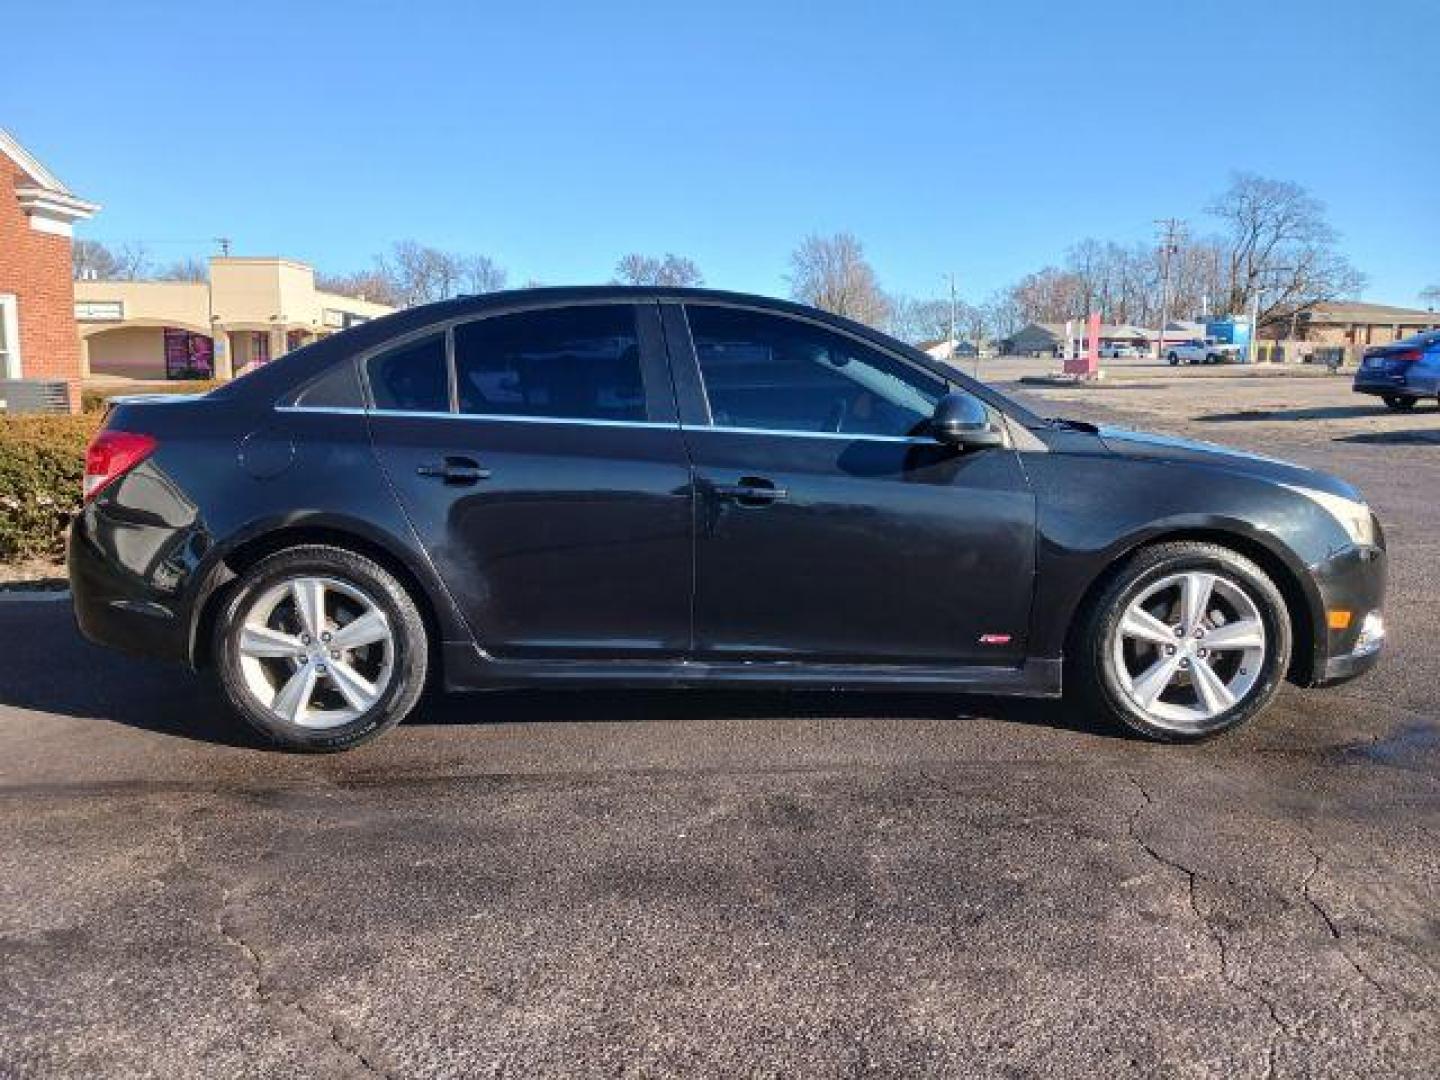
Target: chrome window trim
350,410
848,436
427,414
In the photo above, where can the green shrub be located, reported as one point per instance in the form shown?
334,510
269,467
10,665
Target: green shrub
93,400
42,465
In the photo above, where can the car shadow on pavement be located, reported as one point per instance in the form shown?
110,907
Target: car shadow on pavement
47,667
1318,412
621,705
1393,438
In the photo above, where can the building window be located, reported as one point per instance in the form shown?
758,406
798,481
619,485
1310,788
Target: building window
187,355
341,320
9,336
99,310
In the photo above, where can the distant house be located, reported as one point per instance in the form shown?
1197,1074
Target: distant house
1350,322
37,300
1034,339
1048,339
944,348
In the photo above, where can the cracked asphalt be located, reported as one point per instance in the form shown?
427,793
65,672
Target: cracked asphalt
564,884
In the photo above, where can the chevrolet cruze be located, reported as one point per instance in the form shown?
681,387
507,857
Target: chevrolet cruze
668,487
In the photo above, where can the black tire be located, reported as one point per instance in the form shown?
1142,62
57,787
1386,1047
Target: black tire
407,632
1090,667
1399,403
1174,360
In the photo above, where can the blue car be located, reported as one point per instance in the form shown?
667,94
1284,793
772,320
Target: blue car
1403,372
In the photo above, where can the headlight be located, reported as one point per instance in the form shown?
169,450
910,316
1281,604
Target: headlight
1354,516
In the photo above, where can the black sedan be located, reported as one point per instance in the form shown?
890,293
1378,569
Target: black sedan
667,487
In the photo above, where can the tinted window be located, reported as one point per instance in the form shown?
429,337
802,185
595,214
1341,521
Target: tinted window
576,363
765,371
412,377
337,388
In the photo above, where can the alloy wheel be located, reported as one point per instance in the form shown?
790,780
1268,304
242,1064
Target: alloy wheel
316,652
1188,649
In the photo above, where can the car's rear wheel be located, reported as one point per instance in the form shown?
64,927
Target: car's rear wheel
1174,359
1184,641
319,648
1399,402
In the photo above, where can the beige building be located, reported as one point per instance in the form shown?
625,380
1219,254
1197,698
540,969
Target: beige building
252,310
1350,322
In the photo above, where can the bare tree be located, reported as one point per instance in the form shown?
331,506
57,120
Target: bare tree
483,274
1430,297
1002,315
187,269
92,260
370,285
974,325
674,270
1048,295
916,321
1279,248
831,273
418,274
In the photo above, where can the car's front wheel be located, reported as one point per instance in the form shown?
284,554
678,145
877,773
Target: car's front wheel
319,648
1185,641
1174,360
1399,403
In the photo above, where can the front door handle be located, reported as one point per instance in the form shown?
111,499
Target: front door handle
455,470
751,491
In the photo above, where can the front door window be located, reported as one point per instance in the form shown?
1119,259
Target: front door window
784,375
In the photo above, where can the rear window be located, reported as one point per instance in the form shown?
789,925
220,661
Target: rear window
410,378
337,388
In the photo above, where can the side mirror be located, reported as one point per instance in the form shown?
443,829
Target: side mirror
961,419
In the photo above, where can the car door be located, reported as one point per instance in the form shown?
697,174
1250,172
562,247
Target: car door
538,455
830,528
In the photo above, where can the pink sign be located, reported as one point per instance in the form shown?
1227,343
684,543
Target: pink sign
1087,362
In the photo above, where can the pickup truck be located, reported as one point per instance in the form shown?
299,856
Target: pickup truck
1205,351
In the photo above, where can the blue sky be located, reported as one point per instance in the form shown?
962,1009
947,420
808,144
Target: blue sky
982,138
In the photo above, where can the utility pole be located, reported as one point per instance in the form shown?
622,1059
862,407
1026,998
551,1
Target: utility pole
1255,297
1172,231
954,317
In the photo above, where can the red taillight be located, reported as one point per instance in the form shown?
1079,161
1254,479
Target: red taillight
1409,356
111,455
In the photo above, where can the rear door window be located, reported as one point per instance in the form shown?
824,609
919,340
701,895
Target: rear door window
574,363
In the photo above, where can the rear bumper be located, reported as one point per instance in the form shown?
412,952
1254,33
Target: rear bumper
1381,385
124,603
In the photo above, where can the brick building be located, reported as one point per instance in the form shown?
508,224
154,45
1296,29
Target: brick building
38,336
1356,324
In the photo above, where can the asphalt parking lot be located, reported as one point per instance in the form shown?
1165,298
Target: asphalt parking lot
723,883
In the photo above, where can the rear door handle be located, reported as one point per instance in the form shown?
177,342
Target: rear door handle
455,470
751,491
